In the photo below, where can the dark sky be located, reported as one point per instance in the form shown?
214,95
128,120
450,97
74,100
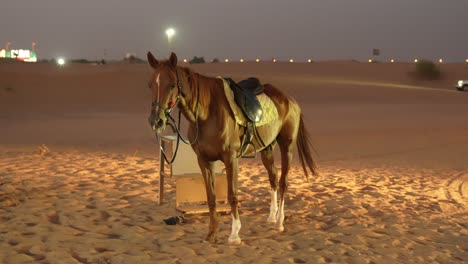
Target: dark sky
317,29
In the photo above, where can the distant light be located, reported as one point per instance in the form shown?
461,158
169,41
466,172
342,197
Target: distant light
241,60
170,32
291,60
392,60
370,60
61,61
226,60
32,59
441,60
466,60
274,60
416,60
309,60
257,60
185,60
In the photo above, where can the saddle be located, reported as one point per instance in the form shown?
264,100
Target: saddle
245,95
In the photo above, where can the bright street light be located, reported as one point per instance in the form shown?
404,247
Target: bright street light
61,61
170,32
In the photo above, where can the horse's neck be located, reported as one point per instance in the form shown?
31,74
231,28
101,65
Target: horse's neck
204,92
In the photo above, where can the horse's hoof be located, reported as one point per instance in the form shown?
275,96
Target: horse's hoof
279,228
234,241
210,238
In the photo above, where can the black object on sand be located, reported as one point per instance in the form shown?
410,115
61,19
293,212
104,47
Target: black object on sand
174,220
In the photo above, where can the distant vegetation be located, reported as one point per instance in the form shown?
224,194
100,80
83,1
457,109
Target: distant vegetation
46,61
215,60
80,61
133,59
428,70
85,61
197,60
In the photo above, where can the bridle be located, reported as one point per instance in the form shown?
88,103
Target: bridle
180,97
167,110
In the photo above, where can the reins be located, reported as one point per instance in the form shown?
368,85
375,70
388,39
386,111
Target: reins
176,127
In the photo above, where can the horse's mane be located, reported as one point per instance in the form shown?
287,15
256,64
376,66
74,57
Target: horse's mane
197,84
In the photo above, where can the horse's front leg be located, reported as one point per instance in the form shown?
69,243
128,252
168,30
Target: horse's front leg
232,166
207,169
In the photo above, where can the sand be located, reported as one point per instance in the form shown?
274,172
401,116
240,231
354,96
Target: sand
392,153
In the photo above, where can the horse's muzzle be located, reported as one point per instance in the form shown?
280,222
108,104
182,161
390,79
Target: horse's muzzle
157,124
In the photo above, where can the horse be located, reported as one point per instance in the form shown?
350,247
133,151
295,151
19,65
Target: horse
215,135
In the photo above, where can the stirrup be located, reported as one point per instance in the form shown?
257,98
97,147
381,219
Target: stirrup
253,156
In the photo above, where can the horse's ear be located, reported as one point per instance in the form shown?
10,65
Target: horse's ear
173,59
152,60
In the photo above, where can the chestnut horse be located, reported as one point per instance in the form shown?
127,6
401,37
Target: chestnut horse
215,135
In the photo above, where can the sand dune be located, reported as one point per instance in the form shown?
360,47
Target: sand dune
393,162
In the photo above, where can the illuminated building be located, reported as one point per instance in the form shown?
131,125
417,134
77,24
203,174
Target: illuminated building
19,54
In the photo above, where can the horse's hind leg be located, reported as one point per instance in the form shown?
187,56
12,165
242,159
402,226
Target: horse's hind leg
232,166
268,162
286,146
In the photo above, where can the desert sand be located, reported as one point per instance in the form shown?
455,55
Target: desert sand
79,169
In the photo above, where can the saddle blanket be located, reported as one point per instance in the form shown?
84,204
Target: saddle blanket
270,113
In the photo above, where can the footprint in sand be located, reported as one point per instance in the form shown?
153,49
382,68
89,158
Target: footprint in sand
13,242
101,250
297,260
104,216
27,251
54,218
113,236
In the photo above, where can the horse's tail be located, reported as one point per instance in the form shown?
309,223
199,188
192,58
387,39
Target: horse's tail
303,147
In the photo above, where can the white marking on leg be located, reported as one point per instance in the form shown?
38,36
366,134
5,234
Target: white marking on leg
280,219
234,239
273,206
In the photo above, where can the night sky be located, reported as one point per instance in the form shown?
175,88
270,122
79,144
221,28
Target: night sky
316,29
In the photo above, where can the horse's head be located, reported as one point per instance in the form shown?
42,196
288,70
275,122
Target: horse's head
165,87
